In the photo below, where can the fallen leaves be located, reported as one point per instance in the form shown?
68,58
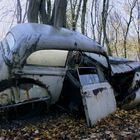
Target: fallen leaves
61,126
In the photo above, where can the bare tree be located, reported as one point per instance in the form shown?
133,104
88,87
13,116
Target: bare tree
104,24
37,11
33,10
75,11
128,22
42,12
49,9
19,12
83,16
26,10
59,13
137,26
93,15
115,23
54,13
99,22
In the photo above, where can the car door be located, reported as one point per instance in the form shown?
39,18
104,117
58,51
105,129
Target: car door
47,67
97,95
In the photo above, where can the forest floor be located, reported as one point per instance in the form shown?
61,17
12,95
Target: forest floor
57,125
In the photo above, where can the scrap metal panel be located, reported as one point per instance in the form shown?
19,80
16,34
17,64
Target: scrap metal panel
122,65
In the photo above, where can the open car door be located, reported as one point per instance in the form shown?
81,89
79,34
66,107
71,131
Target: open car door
98,97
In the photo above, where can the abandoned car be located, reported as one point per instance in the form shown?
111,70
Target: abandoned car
41,63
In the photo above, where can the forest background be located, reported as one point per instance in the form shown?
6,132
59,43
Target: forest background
115,24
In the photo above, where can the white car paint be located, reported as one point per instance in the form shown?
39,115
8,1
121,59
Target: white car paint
98,104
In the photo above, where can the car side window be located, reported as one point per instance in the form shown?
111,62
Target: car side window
53,58
88,76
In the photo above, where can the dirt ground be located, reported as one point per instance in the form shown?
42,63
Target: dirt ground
58,125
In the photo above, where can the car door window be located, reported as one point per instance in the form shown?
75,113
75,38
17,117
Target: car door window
53,58
88,76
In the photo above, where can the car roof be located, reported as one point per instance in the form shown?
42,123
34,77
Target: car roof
75,39
32,37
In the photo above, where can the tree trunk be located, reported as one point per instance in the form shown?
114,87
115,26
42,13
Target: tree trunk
139,48
49,8
104,21
83,16
75,12
19,12
93,17
37,11
42,12
33,10
128,26
138,24
59,13
115,21
26,11
137,27
115,44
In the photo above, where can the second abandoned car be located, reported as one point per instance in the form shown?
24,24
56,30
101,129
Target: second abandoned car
40,63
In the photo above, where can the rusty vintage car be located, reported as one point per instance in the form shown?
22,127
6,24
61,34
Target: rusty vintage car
40,63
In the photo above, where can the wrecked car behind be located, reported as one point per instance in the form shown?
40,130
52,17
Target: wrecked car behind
125,80
40,63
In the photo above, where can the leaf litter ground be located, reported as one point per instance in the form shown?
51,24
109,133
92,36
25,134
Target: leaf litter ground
58,125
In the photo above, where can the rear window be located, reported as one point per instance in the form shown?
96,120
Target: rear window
52,58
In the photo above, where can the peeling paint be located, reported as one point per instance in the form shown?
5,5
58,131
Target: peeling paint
98,105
